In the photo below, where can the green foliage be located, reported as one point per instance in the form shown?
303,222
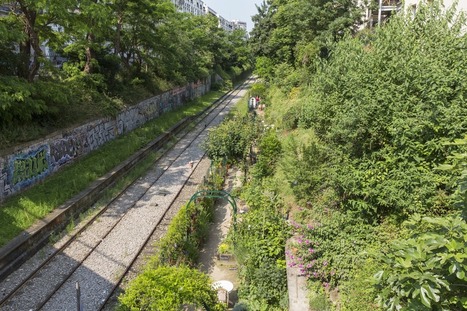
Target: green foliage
358,292
319,301
264,68
266,286
428,270
305,164
258,89
168,288
457,167
10,32
328,250
259,242
189,228
118,51
283,28
270,152
380,126
16,101
260,235
372,117
231,140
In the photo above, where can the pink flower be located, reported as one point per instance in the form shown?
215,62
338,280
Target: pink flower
325,263
311,250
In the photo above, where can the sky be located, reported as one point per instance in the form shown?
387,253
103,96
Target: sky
235,9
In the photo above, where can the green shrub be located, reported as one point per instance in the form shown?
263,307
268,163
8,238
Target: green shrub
428,270
328,250
168,289
265,285
306,164
18,101
270,152
231,140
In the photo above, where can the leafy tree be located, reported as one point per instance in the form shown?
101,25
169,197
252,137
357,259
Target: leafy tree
36,20
10,33
282,28
115,50
262,30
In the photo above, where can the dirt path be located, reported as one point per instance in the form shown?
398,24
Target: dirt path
221,269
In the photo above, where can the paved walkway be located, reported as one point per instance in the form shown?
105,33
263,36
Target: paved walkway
296,285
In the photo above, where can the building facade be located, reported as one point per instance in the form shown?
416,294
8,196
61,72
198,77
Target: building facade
386,8
198,7
195,7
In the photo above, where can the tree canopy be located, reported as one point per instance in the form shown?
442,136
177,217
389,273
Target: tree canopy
284,28
116,50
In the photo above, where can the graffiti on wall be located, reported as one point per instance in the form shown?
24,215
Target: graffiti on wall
25,169
4,186
99,135
31,164
63,151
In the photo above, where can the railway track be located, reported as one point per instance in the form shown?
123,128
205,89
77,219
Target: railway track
94,259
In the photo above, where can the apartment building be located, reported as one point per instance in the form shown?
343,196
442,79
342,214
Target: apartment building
195,7
412,5
198,7
239,24
386,8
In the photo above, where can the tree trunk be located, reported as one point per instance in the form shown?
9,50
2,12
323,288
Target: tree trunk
88,67
25,56
118,35
32,41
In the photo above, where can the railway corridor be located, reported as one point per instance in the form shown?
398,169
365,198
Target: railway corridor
100,256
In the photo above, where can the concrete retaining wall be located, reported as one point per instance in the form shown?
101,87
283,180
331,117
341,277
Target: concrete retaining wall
30,164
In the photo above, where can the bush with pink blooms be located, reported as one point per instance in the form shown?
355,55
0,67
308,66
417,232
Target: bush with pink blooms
327,251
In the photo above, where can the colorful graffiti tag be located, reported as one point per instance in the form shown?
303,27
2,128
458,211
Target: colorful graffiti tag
27,168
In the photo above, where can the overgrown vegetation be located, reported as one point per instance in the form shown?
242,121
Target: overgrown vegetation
370,165
260,234
66,61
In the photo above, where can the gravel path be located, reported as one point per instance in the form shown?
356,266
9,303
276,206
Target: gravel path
115,239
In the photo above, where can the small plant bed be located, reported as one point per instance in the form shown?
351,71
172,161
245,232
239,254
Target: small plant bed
224,252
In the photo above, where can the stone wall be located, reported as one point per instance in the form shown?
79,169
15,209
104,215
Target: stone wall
32,163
